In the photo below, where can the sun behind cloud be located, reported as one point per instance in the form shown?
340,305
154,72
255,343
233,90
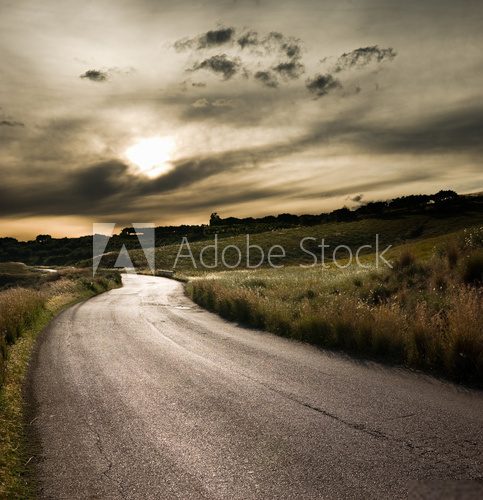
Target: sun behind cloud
151,156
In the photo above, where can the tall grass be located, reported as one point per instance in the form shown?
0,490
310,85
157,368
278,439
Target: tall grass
20,307
23,313
423,314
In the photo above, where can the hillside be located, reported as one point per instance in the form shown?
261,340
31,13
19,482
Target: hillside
395,232
459,210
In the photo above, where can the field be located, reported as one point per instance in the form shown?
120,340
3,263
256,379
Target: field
390,231
425,313
24,311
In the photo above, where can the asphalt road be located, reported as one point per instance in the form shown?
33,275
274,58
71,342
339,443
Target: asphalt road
141,394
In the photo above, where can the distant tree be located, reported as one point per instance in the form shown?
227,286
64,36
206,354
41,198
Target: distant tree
410,202
128,231
372,208
8,239
445,195
342,215
288,218
215,219
43,238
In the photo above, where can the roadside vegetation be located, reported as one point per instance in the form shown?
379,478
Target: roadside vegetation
24,312
425,313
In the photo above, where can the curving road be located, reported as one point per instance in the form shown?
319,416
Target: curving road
141,394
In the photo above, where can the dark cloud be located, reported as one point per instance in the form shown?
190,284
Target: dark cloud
273,39
220,64
292,49
100,182
288,49
407,177
458,130
248,39
357,199
267,78
362,57
95,75
198,84
321,85
10,123
212,38
217,37
287,46
273,42
291,70
101,189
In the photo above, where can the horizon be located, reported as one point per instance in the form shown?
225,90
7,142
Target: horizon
206,222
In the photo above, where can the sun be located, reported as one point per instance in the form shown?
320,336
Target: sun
152,155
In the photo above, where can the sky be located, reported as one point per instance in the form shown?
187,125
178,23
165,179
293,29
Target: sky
159,111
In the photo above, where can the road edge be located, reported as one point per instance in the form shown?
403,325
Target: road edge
18,411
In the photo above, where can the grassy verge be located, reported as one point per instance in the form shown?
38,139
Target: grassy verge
424,313
23,315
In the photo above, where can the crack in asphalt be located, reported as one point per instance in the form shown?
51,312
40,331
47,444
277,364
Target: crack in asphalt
104,455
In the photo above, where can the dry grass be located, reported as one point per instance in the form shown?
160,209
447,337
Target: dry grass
19,308
423,314
23,314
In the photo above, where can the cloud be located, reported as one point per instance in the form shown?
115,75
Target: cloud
393,180
10,123
210,39
288,46
183,86
363,56
102,188
220,64
273,42
217,37
122,71
291,70
357,199
292,49
321,85
223,103
458,130
201,103
263,49
267,78
216,103
95,75
248,39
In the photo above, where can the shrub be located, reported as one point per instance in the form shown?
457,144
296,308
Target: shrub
406,259
472,273
452,255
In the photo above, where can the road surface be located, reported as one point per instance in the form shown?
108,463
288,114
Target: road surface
139,393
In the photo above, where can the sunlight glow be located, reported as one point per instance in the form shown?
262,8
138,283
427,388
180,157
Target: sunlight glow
151,156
